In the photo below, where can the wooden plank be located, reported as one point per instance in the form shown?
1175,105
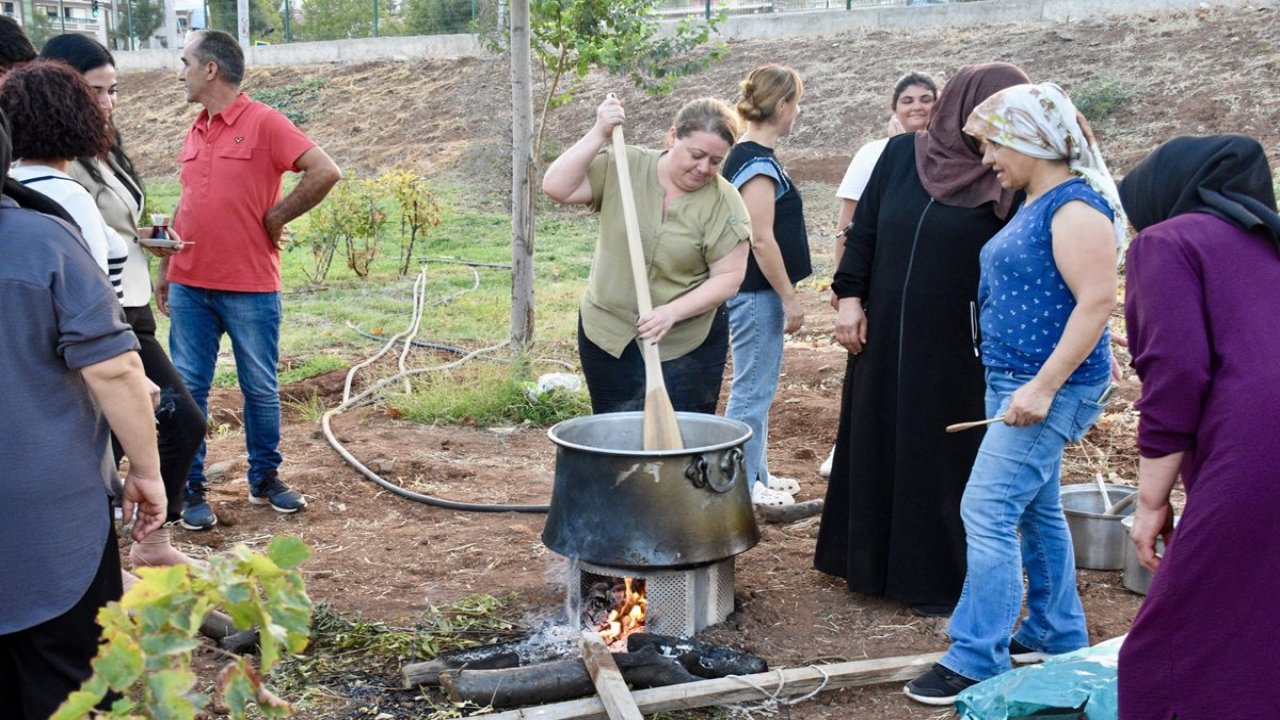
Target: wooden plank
727,691
612,689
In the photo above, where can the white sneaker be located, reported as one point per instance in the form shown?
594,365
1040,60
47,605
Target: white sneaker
786,485
825,469
761,495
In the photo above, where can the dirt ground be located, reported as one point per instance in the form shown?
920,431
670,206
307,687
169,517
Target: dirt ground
389,559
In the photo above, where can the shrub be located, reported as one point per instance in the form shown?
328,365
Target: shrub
150,634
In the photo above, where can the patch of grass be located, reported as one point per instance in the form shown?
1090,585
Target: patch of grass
1101,97
225,377
319,329
297,101
311,367
311,408
348,653
485,394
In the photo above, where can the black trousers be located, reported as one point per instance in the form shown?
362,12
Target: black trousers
180,426
693,380
42,665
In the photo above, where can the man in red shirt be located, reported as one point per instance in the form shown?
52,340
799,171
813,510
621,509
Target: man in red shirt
226,278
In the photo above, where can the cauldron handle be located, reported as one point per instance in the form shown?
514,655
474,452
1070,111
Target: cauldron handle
696,471
701,474
731,466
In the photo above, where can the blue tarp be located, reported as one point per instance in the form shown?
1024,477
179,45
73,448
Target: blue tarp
1075,685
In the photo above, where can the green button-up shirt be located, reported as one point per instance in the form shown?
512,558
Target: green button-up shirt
699,228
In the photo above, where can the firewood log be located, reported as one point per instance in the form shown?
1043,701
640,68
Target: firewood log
791,513
556,681
551,643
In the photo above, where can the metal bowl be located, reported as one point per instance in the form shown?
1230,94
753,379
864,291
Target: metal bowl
1097,539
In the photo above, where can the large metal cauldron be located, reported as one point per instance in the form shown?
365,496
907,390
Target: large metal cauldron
616,504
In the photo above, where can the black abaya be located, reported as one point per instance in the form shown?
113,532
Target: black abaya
891,523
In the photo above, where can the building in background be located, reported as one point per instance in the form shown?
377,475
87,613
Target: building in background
110,21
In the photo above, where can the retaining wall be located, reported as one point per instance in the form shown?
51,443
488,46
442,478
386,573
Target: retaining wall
764,25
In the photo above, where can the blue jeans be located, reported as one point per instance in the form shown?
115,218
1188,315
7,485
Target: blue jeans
1014,489
756,326
199,318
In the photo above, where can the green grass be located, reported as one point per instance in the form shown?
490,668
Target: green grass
346,650
1100,98
486,394
318,332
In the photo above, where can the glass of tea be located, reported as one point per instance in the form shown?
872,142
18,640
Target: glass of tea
159,226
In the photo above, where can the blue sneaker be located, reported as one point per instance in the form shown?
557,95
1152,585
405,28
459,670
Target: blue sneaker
276,494
197,514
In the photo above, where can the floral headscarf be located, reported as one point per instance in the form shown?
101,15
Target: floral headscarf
1041,121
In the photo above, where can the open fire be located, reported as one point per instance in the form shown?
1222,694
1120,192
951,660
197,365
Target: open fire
616,608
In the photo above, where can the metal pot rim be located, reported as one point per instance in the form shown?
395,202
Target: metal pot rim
1090,488
744,429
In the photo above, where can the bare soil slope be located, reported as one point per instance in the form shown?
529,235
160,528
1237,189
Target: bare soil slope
390,559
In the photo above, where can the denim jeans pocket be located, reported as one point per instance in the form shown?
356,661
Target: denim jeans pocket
1086,415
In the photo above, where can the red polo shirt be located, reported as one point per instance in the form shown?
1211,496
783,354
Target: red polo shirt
231,170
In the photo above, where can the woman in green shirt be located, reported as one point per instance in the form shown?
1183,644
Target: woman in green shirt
694,230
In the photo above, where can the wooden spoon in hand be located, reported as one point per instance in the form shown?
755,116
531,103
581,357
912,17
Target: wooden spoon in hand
957,427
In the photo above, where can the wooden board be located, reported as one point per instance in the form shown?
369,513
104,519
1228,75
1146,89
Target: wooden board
613,692
727,691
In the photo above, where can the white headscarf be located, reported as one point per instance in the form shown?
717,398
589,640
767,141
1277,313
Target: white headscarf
1042,122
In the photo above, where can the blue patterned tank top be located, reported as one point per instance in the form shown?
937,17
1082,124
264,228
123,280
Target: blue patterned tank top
1023,298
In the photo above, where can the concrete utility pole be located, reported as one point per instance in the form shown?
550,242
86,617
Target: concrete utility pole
170,24
521,177
242,22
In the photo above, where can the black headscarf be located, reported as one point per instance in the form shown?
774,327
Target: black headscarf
21,194
1223,175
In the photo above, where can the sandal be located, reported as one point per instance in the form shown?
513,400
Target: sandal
825,469
761,495
786,485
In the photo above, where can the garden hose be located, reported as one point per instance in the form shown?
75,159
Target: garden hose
368,397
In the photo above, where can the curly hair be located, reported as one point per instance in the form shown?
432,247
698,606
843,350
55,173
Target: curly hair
53,114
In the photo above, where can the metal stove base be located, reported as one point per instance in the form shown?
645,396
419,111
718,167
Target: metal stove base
681,602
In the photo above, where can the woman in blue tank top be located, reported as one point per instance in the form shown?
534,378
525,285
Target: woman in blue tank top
1047,288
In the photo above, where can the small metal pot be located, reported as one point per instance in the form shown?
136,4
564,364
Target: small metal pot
1137,577
616,504
1097,539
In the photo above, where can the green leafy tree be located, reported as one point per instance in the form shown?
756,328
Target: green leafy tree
335,19
570,37
40,27
148,637
147,18
439,17
265,20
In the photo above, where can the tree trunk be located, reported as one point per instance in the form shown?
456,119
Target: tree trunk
521,177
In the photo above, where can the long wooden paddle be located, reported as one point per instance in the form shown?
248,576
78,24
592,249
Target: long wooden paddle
661,432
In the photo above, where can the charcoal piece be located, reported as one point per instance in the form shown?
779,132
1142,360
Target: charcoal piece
705,661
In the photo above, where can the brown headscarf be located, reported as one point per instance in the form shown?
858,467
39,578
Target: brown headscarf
948,162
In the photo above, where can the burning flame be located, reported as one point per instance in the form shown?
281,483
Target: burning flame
626,616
